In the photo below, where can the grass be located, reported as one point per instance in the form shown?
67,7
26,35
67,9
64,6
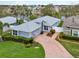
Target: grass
72,47
10,49
60,24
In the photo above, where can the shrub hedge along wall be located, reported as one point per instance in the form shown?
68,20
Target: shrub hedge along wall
62,35
17,39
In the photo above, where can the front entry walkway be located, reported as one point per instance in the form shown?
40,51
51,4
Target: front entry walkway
53,49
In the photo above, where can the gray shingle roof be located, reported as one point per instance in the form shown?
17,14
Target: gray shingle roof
72,22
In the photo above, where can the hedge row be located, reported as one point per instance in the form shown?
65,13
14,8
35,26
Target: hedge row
17,39
70,37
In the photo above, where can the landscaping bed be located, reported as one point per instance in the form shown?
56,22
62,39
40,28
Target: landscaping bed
51,33
9,37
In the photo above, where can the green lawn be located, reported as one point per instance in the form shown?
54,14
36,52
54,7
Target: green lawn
11,49
73,48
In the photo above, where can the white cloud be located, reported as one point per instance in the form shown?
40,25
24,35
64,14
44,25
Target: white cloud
32,2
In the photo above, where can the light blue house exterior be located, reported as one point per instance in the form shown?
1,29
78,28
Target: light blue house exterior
8,20
28,30
34,28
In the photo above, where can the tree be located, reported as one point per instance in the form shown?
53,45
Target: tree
1,28
47,10
20,21
57,15
6,24
33,17
22,10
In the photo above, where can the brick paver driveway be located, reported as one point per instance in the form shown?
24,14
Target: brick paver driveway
53,49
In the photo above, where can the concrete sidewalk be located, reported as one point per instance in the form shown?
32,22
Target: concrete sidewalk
53,49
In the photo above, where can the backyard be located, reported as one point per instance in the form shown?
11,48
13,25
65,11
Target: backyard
71,45
11,49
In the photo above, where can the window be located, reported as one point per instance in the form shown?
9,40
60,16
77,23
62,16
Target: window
14,32
75,33
45,27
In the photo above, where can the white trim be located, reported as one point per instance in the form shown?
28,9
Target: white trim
75,30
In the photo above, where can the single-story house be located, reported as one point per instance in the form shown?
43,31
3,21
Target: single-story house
34,28
8,20
71,26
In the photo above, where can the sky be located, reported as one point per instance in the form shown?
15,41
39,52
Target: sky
37,2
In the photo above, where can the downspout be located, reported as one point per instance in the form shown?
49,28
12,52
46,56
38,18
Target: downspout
71,32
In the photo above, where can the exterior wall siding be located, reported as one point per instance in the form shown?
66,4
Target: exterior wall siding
5,28
70,31
67,31
24,34
36,32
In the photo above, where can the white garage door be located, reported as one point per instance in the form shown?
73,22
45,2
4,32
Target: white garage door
58,29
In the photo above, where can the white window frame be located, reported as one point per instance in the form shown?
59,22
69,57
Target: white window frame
76,32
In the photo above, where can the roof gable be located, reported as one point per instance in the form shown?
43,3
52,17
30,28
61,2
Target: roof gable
49,20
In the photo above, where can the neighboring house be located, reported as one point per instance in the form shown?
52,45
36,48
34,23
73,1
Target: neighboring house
71,26
35,27
8,20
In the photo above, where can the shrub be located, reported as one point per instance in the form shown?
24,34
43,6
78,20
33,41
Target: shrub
1,28
52,31
70,37
33,17
17,39
28,45
20,21
49,34
62,35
